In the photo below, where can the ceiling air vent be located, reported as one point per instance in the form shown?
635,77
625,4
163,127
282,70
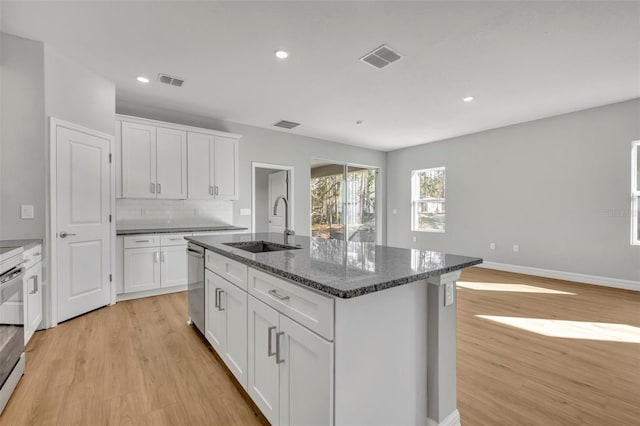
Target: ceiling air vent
381,57
286,124
172,81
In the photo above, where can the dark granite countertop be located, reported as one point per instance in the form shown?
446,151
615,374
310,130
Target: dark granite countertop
338,268
177,230
25,244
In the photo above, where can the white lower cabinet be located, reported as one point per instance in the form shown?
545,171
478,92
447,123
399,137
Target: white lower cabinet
32,291
290,369
151,262
226,323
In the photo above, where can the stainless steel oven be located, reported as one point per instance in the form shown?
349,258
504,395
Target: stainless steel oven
11,323
196,286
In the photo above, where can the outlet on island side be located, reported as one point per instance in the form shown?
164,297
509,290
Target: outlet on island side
515,248
492,246
448,294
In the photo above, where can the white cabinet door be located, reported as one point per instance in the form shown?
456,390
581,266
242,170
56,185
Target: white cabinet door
138,160
173,261
32,298
200,173
263,379
233,301
215,316
117,158
225,168
141,269
306,372
171,181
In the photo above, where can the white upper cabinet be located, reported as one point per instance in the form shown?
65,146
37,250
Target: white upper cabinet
213,167
138,160
171,160
225,167
201,149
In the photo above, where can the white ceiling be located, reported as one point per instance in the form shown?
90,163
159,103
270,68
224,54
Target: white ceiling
521,60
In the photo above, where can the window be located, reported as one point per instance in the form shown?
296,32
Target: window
427,200
635,193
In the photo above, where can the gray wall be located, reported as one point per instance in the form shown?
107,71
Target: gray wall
22,144
557,187
275,147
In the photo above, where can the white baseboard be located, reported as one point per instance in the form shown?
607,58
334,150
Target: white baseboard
156,292
452,419
561,275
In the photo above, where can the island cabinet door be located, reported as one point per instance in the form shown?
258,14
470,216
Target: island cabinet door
264,381
306,376
233,301
215,316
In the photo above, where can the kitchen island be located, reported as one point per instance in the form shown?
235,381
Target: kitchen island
336,332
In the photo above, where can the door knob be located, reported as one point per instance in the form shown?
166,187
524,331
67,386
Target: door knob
65,234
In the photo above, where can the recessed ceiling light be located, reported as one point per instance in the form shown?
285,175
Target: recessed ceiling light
469,99
281,54
142,79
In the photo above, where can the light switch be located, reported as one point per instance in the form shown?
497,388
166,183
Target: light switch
245,212
448,294
26,211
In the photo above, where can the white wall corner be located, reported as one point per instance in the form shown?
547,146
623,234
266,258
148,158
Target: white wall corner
452,419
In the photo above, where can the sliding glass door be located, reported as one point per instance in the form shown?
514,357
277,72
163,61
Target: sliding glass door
343,201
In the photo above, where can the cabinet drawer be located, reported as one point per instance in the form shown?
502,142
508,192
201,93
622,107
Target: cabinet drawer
140,241
234,272
307,307
33,256
173,239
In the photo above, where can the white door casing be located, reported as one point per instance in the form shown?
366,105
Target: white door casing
277,186
82,205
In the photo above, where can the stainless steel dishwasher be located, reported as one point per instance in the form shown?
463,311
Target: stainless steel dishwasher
196,286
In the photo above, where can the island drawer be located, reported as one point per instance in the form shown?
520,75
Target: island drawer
307,307
173,239
229,269
141,241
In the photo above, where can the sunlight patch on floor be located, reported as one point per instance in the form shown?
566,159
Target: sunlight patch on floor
572,329
515,288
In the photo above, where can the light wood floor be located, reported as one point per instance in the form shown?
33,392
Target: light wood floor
138,363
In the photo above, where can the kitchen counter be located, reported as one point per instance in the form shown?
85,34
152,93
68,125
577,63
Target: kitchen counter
177,230
338,268
25,244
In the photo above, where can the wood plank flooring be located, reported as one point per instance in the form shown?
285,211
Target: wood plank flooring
138,363
509,375
134,363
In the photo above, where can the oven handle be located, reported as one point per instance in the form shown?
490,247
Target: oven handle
8,280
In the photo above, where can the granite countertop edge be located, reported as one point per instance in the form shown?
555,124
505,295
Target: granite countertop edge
332,291
26,243
175,230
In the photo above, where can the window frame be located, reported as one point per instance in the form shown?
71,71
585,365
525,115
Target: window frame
635,193
415,198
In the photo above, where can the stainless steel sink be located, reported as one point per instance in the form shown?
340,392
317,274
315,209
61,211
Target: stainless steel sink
260,246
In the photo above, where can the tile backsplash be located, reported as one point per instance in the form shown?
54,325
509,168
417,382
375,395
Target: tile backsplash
172,213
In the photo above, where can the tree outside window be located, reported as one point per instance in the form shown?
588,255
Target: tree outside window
428,200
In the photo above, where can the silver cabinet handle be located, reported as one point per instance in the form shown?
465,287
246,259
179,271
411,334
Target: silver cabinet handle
220,308
278,359
162,256
275,294
217,302
153,188
142,241
159,188
269,352
210,190
35,285
156,257
217,191
65,234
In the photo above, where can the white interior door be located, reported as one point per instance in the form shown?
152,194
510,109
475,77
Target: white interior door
277,187
82,186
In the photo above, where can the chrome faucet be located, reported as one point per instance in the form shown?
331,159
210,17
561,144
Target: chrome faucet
287,231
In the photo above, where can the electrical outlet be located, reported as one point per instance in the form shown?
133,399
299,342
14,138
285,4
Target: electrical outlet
515,248
415,239
492,246
26,212
448,294
245,212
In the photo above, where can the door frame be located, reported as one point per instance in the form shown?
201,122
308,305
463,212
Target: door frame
345,165
51,231
290,189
